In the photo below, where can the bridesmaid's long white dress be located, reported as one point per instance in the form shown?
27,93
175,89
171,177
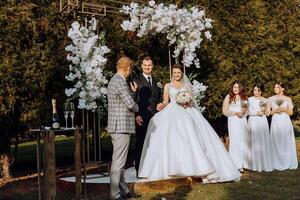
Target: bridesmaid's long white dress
284,155
239,139
181,143
260,146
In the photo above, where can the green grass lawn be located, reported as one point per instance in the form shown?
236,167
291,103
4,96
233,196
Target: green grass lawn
253,185
25,161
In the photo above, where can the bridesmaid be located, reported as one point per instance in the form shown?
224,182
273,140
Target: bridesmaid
283,155
259,132
237,125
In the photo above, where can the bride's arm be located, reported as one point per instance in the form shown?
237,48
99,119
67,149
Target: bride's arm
166,94
161,106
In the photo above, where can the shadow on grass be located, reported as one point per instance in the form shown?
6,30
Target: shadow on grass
178,193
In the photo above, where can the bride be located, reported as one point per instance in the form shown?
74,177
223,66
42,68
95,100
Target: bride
181,143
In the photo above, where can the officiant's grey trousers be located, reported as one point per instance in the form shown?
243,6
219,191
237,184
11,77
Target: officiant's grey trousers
118,185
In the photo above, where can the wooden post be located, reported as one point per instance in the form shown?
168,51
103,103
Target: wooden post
38,160
77,164
49,167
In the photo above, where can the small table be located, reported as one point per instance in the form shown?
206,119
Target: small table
49,167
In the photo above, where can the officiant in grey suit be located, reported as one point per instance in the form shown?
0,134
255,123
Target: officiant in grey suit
121,123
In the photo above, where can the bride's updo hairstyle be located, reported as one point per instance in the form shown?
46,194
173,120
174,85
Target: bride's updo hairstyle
177,66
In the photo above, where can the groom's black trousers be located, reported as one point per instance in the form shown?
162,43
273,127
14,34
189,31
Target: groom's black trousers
140,138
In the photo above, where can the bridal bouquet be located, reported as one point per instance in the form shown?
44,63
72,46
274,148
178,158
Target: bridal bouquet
279,102
183,98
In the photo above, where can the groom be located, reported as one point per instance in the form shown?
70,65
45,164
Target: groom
121,114
147,96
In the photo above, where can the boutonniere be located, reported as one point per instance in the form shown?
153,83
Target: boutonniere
159,85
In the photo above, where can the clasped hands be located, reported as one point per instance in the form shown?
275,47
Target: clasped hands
280,110
240,114
139,120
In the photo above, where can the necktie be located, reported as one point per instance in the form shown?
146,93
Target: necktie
149,80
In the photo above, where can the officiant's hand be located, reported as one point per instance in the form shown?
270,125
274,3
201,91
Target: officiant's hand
133,86
139,120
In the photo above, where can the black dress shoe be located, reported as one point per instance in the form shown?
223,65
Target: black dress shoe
127,195
120,198
130,195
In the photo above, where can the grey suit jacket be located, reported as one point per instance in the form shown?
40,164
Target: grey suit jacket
121,106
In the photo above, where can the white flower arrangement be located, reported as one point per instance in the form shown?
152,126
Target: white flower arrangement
184,27
198,90
87,53
160,85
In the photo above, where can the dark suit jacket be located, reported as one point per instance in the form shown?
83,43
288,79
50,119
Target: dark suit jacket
146,96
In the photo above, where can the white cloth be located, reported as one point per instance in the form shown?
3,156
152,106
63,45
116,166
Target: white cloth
239,139
180,143
284,155
260,146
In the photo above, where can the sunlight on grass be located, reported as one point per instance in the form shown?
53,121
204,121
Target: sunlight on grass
253,186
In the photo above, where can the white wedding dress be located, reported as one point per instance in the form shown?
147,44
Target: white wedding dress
283,145
238,137
260,146
181,143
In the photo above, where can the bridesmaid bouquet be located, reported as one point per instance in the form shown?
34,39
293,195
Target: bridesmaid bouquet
183,98
279,102
244,105
262,104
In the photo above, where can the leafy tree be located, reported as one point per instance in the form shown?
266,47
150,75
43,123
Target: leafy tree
31,71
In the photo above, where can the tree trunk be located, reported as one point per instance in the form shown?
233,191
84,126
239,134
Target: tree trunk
5,166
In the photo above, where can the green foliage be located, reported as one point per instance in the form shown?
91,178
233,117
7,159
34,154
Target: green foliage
254,41
31,72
